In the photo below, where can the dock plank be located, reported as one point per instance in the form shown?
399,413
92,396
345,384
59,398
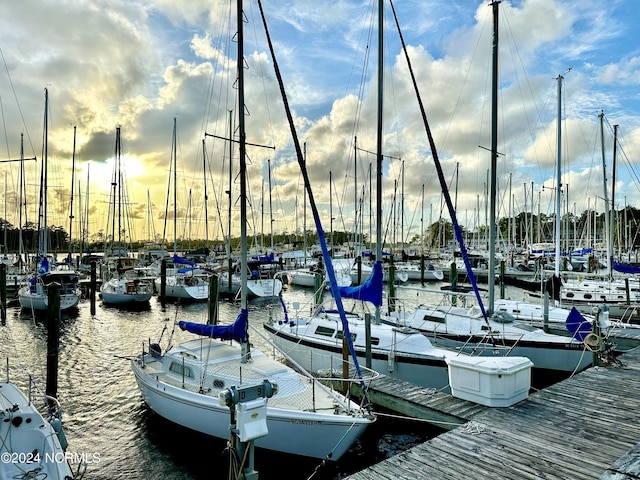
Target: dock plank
585,427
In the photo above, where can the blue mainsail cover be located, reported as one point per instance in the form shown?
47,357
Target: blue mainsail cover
182,261
237,331
579,326
624,267
369,291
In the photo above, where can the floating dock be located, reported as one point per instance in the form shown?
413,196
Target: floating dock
585,427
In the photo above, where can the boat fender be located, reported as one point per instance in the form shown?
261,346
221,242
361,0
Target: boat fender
155,350
56,423
592,341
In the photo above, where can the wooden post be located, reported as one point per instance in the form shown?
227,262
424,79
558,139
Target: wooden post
359,268
545,313
453,278
317,287
53,335
163,280
213,300
3,293
422,270
502,267
392,287
92,288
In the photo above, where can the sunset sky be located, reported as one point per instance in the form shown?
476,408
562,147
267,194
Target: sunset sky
139,64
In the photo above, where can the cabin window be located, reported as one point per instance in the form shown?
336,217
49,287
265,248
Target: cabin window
340,336
569,295
325,331
587,296
375,341
181,370
430,318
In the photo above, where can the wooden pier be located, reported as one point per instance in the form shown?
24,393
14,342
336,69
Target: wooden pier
585,427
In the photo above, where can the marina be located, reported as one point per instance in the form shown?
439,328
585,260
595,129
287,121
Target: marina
106,416
106,420
506,347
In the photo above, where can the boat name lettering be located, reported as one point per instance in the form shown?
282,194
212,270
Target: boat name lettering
305,422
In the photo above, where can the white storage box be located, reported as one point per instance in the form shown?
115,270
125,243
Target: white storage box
490,381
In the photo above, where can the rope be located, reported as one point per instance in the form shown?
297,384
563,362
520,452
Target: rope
330,454
474,428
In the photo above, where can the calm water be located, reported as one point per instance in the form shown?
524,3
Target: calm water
106,420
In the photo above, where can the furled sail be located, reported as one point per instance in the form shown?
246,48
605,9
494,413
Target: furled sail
369,291
237,331
625,267
182,261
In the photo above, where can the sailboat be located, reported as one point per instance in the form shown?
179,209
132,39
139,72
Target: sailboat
621,294
119,286
316,342
35,295
258,284
492,332
183,384
186,280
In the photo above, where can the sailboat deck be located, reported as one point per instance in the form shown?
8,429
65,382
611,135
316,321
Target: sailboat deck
580,428
224,370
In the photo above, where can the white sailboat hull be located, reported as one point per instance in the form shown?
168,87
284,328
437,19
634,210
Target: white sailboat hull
30,447
187,287
459,329
125,292
288,422
408,357
40,300
261,287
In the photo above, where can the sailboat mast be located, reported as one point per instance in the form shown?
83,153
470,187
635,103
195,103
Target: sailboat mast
330,208
494,161
73,170
270,205
558,176
175,190
355,197
206,197
607,219
243,163
304,208
21,182
613,189
379,159
45,161
229,259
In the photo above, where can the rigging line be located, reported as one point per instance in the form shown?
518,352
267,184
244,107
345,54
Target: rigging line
328,261
439,171
13,89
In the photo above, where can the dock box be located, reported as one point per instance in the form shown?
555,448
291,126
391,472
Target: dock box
490,381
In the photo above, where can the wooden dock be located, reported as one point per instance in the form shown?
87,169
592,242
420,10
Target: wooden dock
585,427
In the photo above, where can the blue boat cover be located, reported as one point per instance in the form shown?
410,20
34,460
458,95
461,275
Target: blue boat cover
579,326
369,291
237,331
182,261
624,267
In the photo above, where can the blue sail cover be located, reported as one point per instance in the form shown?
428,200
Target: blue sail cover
182,261
625,268
369,291
237,331
579,326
